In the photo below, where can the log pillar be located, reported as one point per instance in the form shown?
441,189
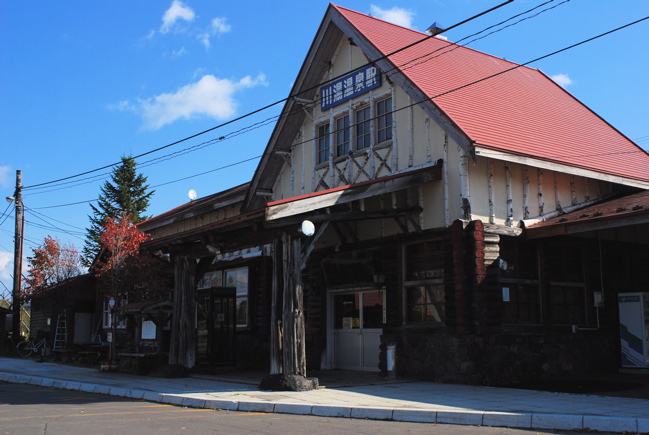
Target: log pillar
182,348
288,349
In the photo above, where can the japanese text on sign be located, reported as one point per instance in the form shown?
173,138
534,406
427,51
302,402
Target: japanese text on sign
350,86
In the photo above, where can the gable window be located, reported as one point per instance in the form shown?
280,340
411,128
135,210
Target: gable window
363,122
342,136
323,143
384,120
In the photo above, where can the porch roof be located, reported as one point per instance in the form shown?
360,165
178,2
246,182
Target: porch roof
344,194
628,210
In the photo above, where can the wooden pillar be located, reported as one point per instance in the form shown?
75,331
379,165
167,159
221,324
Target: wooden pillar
276,366
288,349
293,335
183,335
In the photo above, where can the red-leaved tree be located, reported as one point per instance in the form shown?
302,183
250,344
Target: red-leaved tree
121,268
50,264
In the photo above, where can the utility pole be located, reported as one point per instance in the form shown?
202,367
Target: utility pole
18,256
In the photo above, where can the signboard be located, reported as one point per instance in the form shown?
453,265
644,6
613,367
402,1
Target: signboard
148,330
349,86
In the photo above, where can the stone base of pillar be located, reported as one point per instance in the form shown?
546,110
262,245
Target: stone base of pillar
282,382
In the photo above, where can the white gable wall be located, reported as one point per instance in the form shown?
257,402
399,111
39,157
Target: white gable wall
499,192
505,193
416,141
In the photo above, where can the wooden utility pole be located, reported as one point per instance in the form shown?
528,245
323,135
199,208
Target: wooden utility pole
18,256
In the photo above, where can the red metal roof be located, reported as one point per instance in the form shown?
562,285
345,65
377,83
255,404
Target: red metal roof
521,111
627,210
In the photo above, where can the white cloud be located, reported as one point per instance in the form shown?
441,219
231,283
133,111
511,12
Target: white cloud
205,40
399,16
562,80
209,97
5,179
220,25
177,11
180,52
6,265
122,106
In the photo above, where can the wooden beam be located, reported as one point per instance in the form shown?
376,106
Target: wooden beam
345,216
306,251
351,193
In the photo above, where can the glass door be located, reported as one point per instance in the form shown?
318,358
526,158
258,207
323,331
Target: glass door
358,325
216,325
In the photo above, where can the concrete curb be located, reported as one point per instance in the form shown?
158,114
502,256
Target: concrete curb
417,415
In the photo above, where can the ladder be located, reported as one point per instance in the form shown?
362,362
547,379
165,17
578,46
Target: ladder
61,336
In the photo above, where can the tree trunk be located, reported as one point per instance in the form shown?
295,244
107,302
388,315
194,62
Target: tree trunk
183,338
288,350
293,346
276,366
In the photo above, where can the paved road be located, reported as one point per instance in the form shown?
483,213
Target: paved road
28,409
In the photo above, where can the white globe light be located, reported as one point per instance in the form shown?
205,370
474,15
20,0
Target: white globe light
308,229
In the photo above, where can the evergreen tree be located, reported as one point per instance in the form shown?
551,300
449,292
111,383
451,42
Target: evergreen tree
124,194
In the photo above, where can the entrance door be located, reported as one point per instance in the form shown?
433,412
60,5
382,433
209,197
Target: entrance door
216,310
357,329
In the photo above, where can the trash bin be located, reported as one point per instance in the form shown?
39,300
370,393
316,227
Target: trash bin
391,359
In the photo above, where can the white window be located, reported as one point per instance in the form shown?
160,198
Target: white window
323,143
107,318
384,120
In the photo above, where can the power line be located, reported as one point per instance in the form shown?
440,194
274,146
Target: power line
269,105
5,214
43,218
274,118
419,102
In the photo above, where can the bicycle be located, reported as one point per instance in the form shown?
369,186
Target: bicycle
25,348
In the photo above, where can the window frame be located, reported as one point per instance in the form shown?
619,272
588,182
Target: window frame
384,121
323,143
430,276
363,130
107,317
345,131
222,281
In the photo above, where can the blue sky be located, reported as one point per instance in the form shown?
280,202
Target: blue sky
84,83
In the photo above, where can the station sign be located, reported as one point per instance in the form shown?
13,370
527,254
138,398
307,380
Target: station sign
350,86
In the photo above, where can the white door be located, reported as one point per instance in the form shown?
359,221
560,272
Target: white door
357,329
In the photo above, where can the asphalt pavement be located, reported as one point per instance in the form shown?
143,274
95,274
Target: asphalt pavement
352,395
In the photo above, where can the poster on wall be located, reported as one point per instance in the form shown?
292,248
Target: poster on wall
148,330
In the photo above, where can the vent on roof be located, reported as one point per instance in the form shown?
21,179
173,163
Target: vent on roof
435,29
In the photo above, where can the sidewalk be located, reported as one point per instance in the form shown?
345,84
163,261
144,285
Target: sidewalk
376,399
